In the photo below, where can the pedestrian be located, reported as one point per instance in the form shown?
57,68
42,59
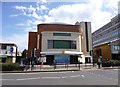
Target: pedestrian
99,62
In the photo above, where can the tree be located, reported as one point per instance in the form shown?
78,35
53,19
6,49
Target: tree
24,53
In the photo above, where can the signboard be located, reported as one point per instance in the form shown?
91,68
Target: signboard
11,50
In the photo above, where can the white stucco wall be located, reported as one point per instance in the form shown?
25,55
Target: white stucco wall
49,36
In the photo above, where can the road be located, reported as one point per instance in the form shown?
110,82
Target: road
86,77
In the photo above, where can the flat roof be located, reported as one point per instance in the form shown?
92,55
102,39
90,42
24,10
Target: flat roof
13,44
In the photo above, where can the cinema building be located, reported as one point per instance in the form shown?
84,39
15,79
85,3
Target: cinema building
63,43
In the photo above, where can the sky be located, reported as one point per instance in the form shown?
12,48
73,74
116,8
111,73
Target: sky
19,18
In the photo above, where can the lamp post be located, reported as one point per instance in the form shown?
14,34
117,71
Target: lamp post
16,52
79,62
92,54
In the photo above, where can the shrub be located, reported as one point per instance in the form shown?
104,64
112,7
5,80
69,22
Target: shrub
114,62
10,66
111,62
117,63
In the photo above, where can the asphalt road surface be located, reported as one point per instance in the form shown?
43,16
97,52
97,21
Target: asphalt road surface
86,77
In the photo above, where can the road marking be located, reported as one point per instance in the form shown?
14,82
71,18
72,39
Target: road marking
75,76
50,77
29,78
64,77
82,75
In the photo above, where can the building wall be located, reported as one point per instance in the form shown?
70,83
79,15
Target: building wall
54,28
5,50
105,52
32,42
87,37
86,40
49,36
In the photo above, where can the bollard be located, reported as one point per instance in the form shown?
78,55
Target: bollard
79,66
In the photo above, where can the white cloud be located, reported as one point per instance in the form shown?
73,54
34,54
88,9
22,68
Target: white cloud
20,39
113,4
20,7
43,1
92,10
20,24
13,15
43,7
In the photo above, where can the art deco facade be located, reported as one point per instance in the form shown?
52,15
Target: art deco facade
64,43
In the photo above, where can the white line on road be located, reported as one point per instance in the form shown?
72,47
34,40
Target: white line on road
75,76
82,75
29,78
64,77
50,77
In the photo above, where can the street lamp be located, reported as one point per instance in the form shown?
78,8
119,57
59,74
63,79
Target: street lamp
92,54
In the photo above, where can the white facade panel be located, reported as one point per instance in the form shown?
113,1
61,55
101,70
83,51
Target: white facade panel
49,36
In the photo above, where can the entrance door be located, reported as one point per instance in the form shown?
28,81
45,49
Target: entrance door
87,60
49,59
73,59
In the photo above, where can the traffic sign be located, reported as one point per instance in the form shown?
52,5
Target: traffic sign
11,49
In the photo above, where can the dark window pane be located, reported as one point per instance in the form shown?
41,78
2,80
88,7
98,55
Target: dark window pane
62,44
50,44
3,47
73,44
61,34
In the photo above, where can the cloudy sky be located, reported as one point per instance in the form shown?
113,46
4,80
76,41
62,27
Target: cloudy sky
18,18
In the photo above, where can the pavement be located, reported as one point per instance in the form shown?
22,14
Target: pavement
59,68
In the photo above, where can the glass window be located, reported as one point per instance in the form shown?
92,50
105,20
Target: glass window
61,34
3,47
73,44
50,44
61,44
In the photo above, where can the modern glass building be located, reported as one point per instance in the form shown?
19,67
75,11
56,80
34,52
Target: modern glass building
106,40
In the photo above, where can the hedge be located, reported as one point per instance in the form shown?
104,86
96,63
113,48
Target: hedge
10,67
111,63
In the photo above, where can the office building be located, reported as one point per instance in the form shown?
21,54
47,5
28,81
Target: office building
8,52
106,40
